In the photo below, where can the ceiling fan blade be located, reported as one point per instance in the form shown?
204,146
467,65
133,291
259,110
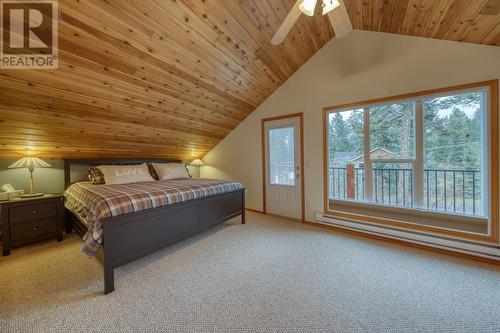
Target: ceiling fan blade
287,24
341,23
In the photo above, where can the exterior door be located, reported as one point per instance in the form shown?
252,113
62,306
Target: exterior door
283,183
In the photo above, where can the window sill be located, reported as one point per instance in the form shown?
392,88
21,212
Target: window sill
460,226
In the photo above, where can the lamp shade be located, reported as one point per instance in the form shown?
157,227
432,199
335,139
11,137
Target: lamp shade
307,7
197,162
30,163
329,5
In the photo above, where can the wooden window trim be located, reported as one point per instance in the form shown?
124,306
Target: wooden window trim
493,130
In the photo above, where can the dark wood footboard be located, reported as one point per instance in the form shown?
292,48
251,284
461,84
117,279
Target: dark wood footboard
131,236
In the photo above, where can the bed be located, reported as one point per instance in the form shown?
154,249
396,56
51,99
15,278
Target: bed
133,220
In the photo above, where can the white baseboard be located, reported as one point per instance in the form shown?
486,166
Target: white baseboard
485,251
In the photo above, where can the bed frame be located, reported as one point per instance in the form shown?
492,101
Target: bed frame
132,236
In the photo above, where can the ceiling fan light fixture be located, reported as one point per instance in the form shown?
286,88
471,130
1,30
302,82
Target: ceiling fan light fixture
307,7
329,5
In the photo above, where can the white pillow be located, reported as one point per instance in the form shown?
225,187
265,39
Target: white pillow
125,174
167,171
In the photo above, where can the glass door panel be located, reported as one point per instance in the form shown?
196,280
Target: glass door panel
281,156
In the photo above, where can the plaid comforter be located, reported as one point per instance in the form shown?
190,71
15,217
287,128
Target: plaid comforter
93,203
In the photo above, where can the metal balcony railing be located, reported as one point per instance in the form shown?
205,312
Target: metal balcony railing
455,191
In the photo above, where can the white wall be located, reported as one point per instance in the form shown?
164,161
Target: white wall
362,66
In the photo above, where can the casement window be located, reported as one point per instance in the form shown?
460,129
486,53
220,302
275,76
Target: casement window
426,161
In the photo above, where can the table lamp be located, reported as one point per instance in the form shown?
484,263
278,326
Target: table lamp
30,163
197,163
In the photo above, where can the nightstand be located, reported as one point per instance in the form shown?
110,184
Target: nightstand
27,220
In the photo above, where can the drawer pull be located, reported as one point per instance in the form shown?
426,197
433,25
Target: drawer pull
33,211
35,228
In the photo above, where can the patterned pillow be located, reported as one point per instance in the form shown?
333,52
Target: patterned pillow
96,176
152,171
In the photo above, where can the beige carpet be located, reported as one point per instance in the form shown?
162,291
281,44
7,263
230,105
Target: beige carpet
270,275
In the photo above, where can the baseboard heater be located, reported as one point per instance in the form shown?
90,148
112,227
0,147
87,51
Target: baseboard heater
444,243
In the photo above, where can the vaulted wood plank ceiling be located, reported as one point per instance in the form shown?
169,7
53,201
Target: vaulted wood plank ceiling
472,21
172,78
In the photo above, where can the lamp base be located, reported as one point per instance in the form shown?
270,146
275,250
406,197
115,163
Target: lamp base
32,195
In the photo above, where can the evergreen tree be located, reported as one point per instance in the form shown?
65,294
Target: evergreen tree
457,136
356,128
340,134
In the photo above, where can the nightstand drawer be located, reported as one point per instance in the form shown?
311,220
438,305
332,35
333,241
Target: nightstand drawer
29,213
32,230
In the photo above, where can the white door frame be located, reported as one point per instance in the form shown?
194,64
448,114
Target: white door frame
301,158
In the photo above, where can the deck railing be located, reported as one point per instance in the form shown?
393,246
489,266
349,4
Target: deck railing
456,191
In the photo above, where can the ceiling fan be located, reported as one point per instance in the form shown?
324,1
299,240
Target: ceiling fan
335,9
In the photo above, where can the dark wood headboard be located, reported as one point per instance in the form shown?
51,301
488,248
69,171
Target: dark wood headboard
85,163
